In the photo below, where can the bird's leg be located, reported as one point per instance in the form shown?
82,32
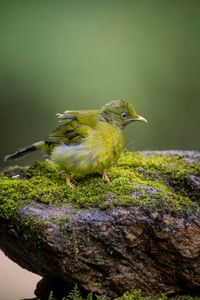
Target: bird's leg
104,176
68,181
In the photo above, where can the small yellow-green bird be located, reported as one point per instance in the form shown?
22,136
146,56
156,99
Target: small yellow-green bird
90,141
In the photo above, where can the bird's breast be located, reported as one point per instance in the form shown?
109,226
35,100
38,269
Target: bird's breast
108,142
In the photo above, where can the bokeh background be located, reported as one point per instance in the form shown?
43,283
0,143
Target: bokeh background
58,55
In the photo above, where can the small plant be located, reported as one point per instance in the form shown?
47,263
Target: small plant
75,294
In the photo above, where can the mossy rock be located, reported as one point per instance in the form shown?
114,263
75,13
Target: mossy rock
164,181
139,231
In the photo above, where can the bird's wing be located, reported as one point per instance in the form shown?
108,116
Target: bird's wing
78,126
86,117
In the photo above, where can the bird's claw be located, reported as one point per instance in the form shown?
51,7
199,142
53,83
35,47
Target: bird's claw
68,182
105,177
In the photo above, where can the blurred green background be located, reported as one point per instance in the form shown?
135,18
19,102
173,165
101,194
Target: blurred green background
58,55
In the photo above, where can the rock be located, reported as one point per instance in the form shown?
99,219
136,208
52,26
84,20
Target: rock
142,231
45,287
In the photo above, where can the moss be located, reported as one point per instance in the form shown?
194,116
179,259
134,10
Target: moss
63,223
159,167
21,230
153,182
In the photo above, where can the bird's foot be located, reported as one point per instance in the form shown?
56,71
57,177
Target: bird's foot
105,177
68,182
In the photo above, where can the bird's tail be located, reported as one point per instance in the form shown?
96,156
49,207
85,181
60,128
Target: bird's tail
25,150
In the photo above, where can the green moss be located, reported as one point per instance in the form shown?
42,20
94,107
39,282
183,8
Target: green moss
153,182
159,167
21,230
63,223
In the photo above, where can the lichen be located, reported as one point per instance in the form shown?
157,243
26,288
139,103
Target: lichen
152,182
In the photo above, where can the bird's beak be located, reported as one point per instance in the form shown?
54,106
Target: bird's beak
138,118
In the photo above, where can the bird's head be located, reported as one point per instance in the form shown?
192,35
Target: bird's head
120,113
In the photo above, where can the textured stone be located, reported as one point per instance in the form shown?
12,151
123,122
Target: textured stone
108,251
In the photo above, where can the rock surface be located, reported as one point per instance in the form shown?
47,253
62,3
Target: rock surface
149,238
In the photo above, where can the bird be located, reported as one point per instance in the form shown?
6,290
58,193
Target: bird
88,142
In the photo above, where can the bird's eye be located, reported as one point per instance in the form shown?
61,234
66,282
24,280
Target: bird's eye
124,115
